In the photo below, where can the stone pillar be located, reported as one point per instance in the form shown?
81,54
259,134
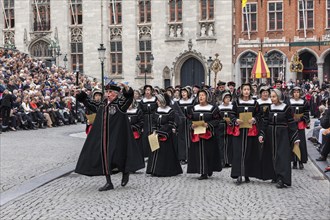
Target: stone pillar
320,72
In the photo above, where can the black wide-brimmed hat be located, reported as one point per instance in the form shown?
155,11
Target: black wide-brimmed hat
112,87
231,83
221,83
148,86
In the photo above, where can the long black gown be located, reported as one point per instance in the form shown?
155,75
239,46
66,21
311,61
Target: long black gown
184,128
246,150
148,107
225,140
135,117
164,161
301,107
110,143
267,167
204,155
280,129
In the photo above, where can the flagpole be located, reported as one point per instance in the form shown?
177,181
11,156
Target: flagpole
4,13
304,17
73,14
247,22
114,12
38,13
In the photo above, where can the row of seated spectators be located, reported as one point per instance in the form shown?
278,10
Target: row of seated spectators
34,96
321,133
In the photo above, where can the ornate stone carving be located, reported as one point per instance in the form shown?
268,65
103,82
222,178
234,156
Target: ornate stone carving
76,35
9,37
115,33
175,30
145,31
207,29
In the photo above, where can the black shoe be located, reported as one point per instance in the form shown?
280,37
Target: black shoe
247,179
203,177
210,174
125,179
301,166
321,158
239,180
280,184
294,166
273,181
107,186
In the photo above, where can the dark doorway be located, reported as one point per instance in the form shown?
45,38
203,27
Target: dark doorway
310,66
192,73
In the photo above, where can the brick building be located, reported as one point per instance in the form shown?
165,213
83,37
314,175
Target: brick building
281,28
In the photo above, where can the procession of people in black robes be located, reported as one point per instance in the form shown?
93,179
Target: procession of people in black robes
259,147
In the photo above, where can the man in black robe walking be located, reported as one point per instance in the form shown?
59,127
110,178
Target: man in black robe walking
110,143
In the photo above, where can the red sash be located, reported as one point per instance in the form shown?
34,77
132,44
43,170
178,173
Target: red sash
253,131
196,137
136,135
302,125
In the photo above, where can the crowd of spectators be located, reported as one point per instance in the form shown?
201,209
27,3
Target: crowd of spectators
34,96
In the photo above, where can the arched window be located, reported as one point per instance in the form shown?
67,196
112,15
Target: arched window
247,62
276,64
40,49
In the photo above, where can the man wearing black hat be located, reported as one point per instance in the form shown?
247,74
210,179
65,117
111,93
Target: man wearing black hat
217,96
110,143
278,85
232,90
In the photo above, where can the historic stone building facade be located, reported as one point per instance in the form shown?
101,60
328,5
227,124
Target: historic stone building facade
281,29
162,42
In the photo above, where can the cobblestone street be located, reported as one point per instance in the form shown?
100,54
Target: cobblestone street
183,197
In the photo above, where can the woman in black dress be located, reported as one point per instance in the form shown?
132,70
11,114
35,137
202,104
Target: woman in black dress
280,129
164,161
204,153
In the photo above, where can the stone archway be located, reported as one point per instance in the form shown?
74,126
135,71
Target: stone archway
182,58
40,49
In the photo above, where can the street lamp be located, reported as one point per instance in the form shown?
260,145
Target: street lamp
209,64
65,60
144,67
101,50
55,49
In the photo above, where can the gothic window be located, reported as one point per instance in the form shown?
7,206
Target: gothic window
276,64
116,57
9,13
77,58
207,9
306,14
247,61
175,7
41,15
275,16
76,12
145,55
249,14
144,11
41,49
115,12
